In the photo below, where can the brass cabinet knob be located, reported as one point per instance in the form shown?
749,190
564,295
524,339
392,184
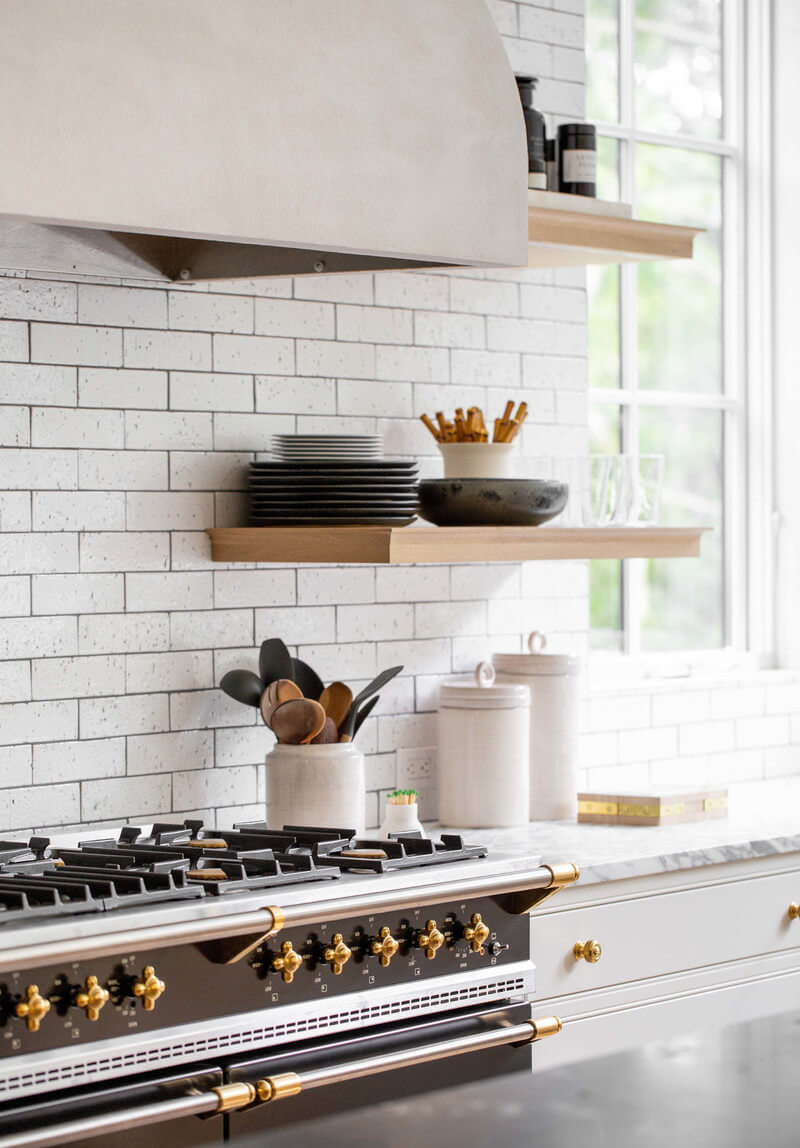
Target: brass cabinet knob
384,945
148,987
33,1009
589,950
794,911
92,997
431,940
476,933
287,963
337,954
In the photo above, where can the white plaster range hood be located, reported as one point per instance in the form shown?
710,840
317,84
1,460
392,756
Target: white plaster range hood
200,139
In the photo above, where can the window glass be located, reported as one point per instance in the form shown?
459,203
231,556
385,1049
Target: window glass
605,575
680,301
602,60
683,599
678,66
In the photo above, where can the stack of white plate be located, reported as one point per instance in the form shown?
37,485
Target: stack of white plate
325,447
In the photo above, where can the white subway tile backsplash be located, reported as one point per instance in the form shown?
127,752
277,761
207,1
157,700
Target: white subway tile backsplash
82,427
312,624
123,633
41,805
199,391
211,629
412,364
42,553
15,426
132,550
169,591
168,350
401,289
122,470
374,623
230,786
112,717
168,430
39,470
78,760
121,306
485,368
198,311
22,722
15,595
38,299
14,341
78,593
189,670
252,354
37,637
84,346
167,752
295,319
78,510
121,388
331,359
206,709
249,432
448,329
275,587
37,384
15,765
365,397
356,288
124,797
15,680
173,511
279,393
332,585
78,677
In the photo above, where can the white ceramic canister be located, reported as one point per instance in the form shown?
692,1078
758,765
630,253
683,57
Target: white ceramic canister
316,785
478,459
483,752
554,716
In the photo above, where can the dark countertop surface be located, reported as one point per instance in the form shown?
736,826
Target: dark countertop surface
732,1088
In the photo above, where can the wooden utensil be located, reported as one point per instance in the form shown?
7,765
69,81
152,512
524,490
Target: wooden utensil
307,679
274,661
275,694
243,686
336,700
327,735
297,721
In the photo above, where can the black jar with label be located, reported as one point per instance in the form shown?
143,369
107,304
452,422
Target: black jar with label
577,159
535,132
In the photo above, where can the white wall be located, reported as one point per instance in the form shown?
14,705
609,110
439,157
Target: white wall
129,416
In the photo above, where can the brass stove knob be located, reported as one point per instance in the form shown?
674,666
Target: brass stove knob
588,950
384,946
33,1009
431,940
476,933
337,955
92,997
148,987
287,963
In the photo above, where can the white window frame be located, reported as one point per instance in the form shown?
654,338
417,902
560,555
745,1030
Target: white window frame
746,399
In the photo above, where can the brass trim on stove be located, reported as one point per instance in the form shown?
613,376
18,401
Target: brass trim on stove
526,900
233,1096
230,950
544,1026
278,1087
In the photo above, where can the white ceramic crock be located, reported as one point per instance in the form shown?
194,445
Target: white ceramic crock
316,785
478,459
483,752
401,819
554,685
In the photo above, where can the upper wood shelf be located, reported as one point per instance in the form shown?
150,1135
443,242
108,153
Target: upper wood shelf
558,238
420,544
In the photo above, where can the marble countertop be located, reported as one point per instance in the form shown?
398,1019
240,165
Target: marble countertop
763,819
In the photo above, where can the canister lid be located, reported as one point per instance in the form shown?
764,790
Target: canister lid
536,662
480,692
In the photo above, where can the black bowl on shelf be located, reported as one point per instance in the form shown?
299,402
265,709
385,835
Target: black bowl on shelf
491,501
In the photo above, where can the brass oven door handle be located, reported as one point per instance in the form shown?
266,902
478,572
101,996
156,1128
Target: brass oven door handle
290,1083
229,1097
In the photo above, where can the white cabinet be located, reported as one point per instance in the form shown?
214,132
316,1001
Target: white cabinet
680,951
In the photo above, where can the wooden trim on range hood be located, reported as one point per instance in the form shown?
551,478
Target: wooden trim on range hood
203,139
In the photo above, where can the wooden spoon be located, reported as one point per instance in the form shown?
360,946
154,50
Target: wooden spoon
297,721
275,694
336,700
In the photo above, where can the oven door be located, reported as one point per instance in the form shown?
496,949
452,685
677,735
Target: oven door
346,1071
160,1110
408,1056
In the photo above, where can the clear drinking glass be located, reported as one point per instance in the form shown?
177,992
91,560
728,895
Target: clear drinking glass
646,482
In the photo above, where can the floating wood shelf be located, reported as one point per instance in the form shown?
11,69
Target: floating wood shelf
559,238
419,544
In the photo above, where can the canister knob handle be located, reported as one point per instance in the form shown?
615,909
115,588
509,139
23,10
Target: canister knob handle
484,675
537,642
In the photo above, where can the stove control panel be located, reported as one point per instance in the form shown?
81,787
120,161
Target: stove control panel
146,991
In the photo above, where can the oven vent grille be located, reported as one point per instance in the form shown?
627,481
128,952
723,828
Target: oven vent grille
166,1051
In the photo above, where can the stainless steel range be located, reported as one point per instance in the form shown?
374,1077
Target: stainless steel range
154,977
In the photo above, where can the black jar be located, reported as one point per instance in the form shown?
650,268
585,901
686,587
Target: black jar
536,133
577,159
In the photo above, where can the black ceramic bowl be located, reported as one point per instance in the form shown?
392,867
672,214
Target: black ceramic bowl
491,501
